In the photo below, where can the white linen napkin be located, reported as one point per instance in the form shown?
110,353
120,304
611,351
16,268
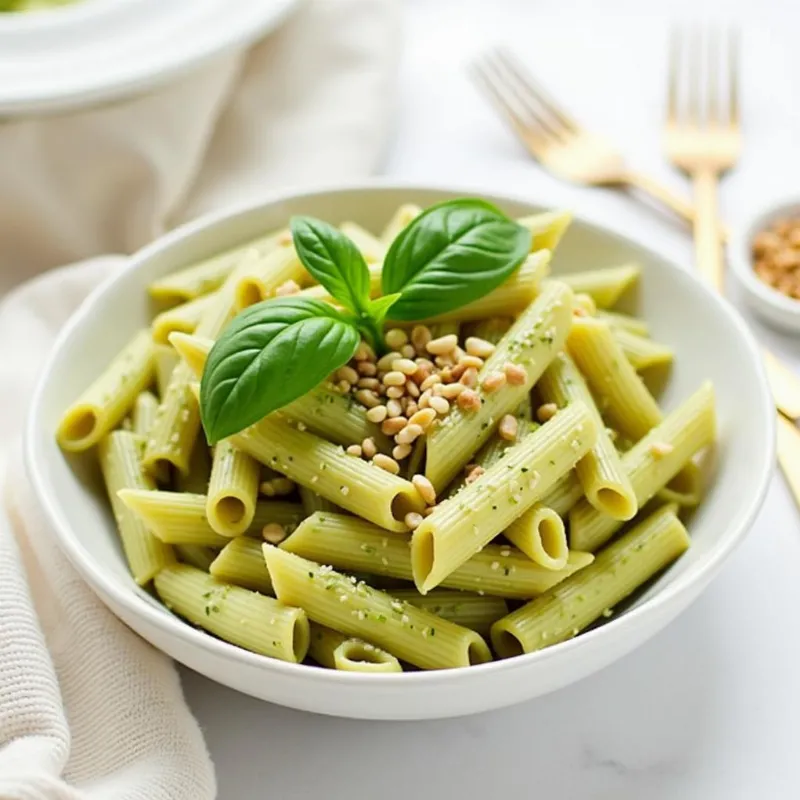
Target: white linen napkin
87,709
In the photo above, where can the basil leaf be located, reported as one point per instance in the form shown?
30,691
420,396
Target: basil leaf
271,354
333,259
450,255
380,307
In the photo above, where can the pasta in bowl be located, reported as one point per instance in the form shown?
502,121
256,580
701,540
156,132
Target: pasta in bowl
425,443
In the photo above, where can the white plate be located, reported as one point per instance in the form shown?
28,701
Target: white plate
98,50
710,341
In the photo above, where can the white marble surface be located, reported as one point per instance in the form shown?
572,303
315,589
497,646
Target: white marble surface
710,708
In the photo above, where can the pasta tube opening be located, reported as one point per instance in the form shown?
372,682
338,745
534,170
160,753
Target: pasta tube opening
301,636
614,501
506,644
229,511
77,429
553,541
357,656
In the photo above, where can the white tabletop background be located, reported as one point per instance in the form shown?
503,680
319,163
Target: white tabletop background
709,708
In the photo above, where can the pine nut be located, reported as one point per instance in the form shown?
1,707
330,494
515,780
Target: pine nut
457,371
394,378
377,414
424,417
446,375
479,347
367,368
661,449
368,383
409,434
394,425
401,451
386,463
368,448
428,511
546,411
469,400
442,345
396,338
425,489
287,288
515,374
470,361
439,405
458,353
429,381
470,377
413,520
424,363
354,450
424,399
405,365
364,353
348,374
367,398
421,375
493,382
474,474
408,351
451,390
412,389
394,408
385,363
343,387
411,409
507,429
273,533
395,392
420,336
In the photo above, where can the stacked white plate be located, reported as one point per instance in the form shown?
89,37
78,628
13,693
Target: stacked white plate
100,50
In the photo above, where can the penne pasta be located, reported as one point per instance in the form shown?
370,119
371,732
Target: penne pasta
313,502
474,611
265,276
372,248
546,228
196,556
166,359
241,562
334,650
604,286
401,218
143,413
540,534
196,480
232,490
642,353
181,319
624,322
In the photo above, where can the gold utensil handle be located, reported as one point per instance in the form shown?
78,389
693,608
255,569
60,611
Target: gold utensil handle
707,230
662,194
785,386
789,455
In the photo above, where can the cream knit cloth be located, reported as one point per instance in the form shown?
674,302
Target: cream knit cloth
87,709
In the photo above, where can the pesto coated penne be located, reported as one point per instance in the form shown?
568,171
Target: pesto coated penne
641,352
181,319
232,490
541,535
241,562
268,274
604,286
196,556
474,611
334,650
166,359
143,413
401,218
372,248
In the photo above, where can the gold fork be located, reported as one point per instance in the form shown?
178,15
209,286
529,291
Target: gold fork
703,134
554,138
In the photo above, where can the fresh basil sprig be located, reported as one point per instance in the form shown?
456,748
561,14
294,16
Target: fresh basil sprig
274,352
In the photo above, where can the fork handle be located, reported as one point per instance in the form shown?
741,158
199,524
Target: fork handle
707,227
661,193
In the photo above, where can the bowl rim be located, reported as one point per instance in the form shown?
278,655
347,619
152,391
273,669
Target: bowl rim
81,558
741,261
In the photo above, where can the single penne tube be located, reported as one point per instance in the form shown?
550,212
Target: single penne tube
241,562
605,286
493,329
466,522
355,545
651,463
313,502
372,248
196,480
409,633
247,619
143,413
356,485
334,650
108,400
604,481
401,219
622,397
166,359
565,610
624,322
322,410
686,488
474,611
268,274
564,494
547,229
541,535
584,305
197,556
183,318
120,455
643,353
232,490
180,518
528,347
508,299
208,275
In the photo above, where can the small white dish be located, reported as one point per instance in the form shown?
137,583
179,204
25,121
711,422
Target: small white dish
769,304
93,51
710,341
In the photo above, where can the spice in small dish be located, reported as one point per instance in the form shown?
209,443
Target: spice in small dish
776,256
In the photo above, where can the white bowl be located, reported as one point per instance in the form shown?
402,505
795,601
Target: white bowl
769,304
708,336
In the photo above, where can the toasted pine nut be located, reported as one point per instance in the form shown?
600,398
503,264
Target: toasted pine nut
430,381
413,520
385,363
364,353
474,473
515,374
424,363
396,338
446,375
287,288
470,377
273,532
479,347
420,336
421,375
411,409
395,392
367,368
393,425
424,399
469,400
408,351
377,414
394,378
284,238
424,417
348,374
660,449
439,405
507,429
367,398
493,382
354,450
401,451
368,447
471,361
408,434
442,345
444,361
405,365
412,389
451,390
546,411
386,463
425,489
343,387
368,383
457,371
394,408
